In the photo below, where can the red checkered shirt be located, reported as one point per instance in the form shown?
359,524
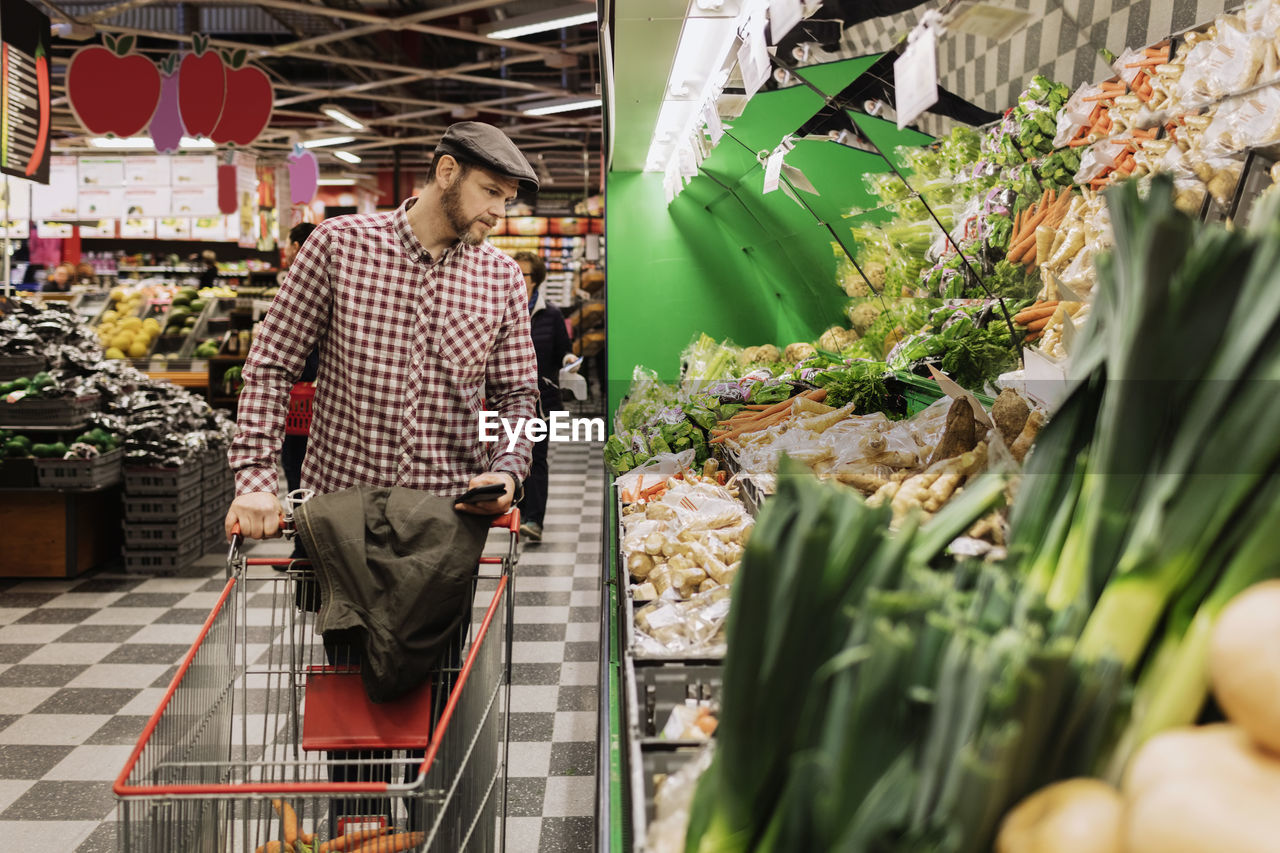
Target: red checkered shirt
409,346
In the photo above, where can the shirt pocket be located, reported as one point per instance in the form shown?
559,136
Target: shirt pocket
465,340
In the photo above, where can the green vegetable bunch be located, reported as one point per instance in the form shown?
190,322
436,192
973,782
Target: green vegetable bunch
861,383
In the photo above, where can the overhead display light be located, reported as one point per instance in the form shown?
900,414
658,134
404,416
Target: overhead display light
143,143
539,22
346,156
336,182
560,105
326,140
341,116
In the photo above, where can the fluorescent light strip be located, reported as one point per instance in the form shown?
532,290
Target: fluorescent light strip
346,156
568,106
342,117
327,140
541,27
336,182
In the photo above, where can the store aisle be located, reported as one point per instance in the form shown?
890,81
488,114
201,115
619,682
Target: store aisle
84,662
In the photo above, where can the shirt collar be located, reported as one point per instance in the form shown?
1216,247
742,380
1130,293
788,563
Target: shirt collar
410,240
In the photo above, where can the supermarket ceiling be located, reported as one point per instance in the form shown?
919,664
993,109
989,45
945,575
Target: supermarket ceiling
405,69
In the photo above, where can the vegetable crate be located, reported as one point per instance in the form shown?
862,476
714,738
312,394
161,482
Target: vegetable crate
16,366
163,481
69,412
258,737
96,473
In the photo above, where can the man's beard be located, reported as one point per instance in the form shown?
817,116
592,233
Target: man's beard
451,204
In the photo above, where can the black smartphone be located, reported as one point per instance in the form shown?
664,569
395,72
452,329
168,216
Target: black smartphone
480,494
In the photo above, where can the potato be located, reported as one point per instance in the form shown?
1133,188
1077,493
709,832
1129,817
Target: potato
1075,816
1244,663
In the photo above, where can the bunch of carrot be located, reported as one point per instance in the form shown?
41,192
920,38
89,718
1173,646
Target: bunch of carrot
757,417
657,490
373,841
1050,210
1151,57
1034,318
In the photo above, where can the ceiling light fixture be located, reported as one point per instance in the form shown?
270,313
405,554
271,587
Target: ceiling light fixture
346,156
336,182
559,105
327,140
341,116
538,22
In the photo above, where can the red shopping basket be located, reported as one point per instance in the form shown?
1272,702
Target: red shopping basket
298,419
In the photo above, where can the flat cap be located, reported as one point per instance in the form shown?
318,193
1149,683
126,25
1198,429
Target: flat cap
487,146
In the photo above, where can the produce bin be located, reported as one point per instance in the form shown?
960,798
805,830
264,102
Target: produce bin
95,473
69,412
159,507
164,481
163,534
17,366
156,561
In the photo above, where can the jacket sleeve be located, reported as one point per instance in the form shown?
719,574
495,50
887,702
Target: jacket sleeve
511,380
297,318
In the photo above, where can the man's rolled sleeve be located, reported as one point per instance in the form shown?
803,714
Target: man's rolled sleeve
286,335
512,381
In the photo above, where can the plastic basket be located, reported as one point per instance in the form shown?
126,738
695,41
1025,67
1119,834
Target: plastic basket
157,534
57,411
157,561
96,473
17,366
921,393
160,507
163,481
297,420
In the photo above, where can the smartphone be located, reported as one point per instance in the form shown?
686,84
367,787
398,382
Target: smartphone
480,494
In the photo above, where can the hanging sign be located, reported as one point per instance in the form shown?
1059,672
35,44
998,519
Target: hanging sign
193,170
753,56
111,89
773,169
194,201
147,201
54,230
147,171
101,172
915,73
100,202
138,227
24,91
100,228
173,228
57,199
17,222
783,16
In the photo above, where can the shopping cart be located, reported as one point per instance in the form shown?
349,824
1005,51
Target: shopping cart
257,723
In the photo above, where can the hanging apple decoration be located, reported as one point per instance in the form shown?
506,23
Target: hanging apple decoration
111,90
304,175
166,124
247,107
202,88
227,186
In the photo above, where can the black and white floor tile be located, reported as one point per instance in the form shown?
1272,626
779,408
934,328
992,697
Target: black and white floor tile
84,662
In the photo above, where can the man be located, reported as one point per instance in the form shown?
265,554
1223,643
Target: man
294,449
416,319
551,342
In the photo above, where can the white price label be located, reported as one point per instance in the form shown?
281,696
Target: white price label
753,57
783,15
773,169
915,76
715,127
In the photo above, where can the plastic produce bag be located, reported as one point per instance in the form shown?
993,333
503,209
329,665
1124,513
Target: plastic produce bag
675,628
673,797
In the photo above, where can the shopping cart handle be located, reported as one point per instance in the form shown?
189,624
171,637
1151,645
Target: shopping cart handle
237,537
510,521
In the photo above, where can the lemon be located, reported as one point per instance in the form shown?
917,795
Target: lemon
151,323
114,352
122,341
131,323
138,349
108,316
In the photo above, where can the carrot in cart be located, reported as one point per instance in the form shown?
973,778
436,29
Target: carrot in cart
394,843
288,820
276,846
351,841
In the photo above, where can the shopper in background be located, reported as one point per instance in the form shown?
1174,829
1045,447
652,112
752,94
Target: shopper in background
416,318
551,343
86,274
294,449
209,273
60,279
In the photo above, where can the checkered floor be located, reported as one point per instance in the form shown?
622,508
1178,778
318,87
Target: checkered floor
1061,42
84,662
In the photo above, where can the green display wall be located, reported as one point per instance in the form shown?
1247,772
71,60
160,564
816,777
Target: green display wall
724,258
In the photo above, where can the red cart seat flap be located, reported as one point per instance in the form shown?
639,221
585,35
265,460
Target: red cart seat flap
338,715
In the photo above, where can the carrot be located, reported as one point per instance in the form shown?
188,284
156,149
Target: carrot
1035,312
276,846
627,498
1148,62
817,395
394,843
755,426
1017,224
679,475
721,478
1076,143
1096,114
1037,325
640,485
1097,98
351,841
654,490
1033,336
757,407
288,820
1030,259
784,406
1112,85
307,837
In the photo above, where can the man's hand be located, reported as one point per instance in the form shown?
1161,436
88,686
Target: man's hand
258,513
497,506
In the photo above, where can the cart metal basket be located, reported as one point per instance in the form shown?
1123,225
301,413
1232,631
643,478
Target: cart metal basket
258,722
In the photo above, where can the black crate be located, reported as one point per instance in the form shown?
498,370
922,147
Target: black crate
70,412
215,462
163,534
95,473
156,561
163,481
160,507
18,472
17,366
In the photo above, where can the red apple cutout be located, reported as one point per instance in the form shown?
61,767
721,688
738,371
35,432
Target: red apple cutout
304,175
202,88
247,107
112,90
227,186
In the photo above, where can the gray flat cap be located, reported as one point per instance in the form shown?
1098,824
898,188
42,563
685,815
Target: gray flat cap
487,146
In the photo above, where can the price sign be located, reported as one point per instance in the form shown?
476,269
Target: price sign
915,75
